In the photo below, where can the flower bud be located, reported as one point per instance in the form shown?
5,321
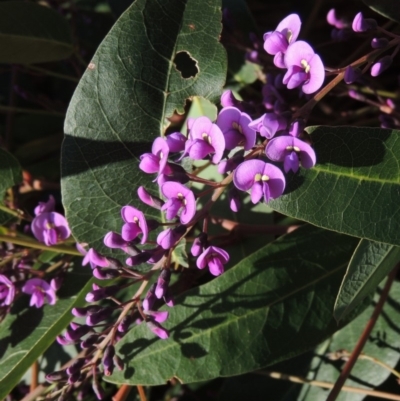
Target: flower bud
361,24
150,298
105,274
123,326
90,340
149,199
379,43
381,65
199,244
158,330
107,360
58,376
162,283
234,200
99,316
138,259
87,310
158,316
176,142
75,335
75,366
351,74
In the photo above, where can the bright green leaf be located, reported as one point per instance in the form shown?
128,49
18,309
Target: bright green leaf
273,305
388,8
370,264
27,332
123,101
32,33
355,186
383,344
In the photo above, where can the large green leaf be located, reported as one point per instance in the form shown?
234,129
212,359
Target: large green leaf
273,305
27,332
32,33
383,344
388,8
123,101
355,186
10,174
370,264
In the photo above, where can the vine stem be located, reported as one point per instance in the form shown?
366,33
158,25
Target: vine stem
317,383
122,393
37,245
364,337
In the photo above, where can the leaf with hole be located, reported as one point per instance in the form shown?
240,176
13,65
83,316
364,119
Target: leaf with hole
131,88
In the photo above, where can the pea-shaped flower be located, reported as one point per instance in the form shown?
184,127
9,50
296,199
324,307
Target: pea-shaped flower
214,258
205,138
50,228
156,161
305,68
40,292
180,200
135,224
263,179
292,152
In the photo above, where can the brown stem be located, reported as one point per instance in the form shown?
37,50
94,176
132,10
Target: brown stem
34,376
363,339
142,395
122,393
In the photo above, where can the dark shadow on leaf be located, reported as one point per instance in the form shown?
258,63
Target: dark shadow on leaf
380,341
193,350
83,154
349,146
293,182
128,350
205,324
129,372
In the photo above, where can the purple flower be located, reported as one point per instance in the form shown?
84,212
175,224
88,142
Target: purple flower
115,241
268,125
214,258
264,179
234,199
205,138
381,65
361,24
162,283
229,100
157,329
95,259
179,197
41,291
176,141
149,199
292,151
157,316
7,291
45,207
50,228
333,20
156,161
305,68
234,126
277,42
135,224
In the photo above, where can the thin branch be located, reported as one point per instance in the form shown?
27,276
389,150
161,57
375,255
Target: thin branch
317,383
363,339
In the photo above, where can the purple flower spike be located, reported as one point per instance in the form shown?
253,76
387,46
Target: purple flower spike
234,126
156,161
135,224
381,65
305,68
179,197
264,179
176,142
41,291
50,228
292,151
205,138
45,207
7,291
268,125
214,258
361,24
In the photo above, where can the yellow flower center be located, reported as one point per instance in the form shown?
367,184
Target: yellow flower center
264,178
257,177
305,65
238,127
289,35
181,198
206,137
295,148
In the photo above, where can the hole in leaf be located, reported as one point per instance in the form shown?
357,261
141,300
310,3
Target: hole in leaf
186,65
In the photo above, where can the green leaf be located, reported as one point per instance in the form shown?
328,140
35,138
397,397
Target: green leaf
388,8
32,33
123,101
383,344
27,332
272,306
10,174
353,188
370,264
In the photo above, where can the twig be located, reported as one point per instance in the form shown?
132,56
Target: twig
317,383
363,339
142,395
122,393
34,376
